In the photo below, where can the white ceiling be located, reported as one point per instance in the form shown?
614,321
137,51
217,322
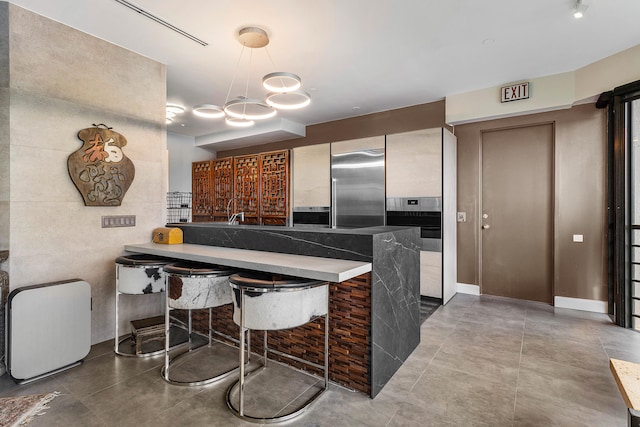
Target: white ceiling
355,57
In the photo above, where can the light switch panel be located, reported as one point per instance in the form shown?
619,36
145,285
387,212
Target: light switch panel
462,217
579,238
111,221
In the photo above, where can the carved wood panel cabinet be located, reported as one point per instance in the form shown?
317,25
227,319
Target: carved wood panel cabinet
201,180
274,187
222,192
256,184
246,171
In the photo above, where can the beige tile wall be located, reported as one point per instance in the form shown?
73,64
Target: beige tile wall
63,80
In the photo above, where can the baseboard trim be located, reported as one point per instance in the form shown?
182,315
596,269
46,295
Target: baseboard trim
464,288
581,304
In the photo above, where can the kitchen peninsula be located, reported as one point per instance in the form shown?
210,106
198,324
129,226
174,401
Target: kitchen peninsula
374,293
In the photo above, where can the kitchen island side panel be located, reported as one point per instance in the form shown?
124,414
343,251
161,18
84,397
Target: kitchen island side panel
395,303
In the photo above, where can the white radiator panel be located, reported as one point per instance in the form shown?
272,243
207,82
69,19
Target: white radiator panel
48,328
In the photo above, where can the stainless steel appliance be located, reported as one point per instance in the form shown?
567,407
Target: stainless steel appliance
423,212
357,188
311,216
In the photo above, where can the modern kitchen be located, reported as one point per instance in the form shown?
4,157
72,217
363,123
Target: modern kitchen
417,257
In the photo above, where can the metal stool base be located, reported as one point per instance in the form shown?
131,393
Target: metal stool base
240,383
205,381
129,337
270,420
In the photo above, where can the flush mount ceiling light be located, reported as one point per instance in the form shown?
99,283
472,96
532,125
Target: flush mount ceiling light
175,108
578,9
172,110
243,110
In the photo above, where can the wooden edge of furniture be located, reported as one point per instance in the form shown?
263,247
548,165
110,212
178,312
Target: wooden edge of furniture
627,376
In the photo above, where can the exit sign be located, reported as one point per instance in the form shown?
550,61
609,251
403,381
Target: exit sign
515,92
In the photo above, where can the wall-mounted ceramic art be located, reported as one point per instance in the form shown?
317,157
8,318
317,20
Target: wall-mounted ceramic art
100,169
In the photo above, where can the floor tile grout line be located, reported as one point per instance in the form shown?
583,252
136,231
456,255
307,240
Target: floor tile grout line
459,319
318,381
515,400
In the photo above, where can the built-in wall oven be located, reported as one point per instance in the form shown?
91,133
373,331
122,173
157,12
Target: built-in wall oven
423,212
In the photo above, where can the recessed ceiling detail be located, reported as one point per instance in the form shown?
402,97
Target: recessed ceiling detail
161,21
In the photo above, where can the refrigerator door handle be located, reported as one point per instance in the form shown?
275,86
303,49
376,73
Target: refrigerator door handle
334,210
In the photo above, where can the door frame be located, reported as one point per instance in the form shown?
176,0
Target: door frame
554,201
620,291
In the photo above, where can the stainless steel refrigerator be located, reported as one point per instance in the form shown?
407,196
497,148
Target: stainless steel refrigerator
357,192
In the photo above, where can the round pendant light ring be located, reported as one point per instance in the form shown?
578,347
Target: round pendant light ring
281,81
289,100
208,111
239,123
249,108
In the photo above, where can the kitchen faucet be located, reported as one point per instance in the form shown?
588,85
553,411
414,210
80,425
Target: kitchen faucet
233,220
228,206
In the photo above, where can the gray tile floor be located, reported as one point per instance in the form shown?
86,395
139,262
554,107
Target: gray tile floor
482,361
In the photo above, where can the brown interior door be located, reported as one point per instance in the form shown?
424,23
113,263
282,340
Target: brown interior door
517,213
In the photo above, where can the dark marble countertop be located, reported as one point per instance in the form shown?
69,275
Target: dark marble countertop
365,231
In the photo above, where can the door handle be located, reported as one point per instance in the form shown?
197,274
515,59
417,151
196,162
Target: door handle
334,199
486,226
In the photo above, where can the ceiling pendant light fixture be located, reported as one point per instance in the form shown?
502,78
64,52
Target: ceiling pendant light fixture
208,111
239,122
289,100
578,9
249,108
281,82
243,111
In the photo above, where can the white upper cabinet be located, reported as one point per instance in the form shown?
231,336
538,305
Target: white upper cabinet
312,176
414,164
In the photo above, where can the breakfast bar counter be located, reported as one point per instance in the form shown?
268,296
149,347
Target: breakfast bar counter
374,290
309,267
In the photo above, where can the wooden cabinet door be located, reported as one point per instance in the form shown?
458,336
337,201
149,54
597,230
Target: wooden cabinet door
222,188
246,184
201,180
274,187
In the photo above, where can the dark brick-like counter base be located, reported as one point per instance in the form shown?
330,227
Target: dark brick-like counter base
349,334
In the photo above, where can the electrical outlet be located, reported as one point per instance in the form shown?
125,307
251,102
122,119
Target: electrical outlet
111,221
462,217
578,238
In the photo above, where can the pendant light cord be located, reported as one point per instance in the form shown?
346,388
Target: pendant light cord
235,72
273,64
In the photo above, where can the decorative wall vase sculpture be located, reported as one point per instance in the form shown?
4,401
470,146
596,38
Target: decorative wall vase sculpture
100,169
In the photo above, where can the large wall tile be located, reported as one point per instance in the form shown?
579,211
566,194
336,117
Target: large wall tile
63,63
62,81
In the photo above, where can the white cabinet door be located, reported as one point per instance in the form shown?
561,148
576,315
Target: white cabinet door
312,175
431,274
414,164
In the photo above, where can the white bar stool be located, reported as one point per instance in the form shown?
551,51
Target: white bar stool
263,301
137,274
194,286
